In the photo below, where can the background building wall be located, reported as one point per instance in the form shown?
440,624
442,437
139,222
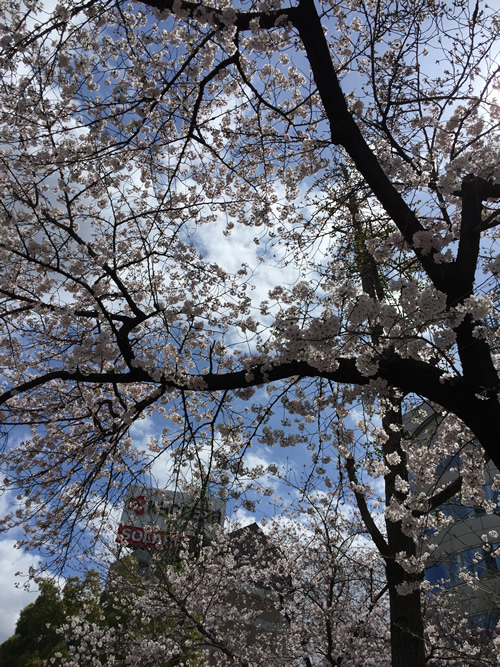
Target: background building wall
465,552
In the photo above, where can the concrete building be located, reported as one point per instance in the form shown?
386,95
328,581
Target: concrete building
253,603
157,522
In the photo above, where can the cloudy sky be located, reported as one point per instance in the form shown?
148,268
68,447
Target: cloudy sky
12,561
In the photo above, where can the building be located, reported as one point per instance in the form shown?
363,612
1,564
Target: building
157,523
160,520
253,604
468,545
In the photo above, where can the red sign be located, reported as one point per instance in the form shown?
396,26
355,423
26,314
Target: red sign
139,536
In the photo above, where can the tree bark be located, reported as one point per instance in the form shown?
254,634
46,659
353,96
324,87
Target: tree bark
407,626
406,614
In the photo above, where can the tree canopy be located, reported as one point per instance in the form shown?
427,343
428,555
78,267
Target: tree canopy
355,143
36,638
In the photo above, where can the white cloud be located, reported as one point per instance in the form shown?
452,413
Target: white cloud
240,517
165,473
14,597
230,252
142,431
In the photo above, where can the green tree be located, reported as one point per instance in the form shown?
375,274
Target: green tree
36,637
45,629
83,595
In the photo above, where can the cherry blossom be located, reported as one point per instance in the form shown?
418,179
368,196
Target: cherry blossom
357,145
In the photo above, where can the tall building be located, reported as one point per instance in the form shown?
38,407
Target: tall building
156,519
252,604
468,545
158,522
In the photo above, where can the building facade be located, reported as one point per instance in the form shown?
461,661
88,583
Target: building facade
464,554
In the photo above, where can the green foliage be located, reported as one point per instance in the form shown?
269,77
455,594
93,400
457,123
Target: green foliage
36,638
132,577
83,595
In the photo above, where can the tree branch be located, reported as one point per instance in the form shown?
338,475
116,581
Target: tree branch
345,132
243,22
441,497
370,524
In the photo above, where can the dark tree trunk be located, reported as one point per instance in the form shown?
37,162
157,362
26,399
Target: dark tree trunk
406,614
407,625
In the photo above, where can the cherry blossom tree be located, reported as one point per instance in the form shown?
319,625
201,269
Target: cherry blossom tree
394,456
308,591
356,141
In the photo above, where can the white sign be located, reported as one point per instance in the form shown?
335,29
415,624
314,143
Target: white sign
153,518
